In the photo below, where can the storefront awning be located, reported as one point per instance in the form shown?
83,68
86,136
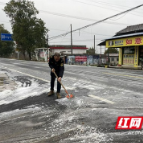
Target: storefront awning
127,35
135,39
123,40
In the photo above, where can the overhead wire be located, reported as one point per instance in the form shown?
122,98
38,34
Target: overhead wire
80,18
95,33
103,2
111,4
101,6
66,30
77,41
104,20
84,27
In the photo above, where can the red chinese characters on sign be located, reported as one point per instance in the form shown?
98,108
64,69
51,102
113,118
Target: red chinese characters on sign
138,40
80,58
129,123
128,41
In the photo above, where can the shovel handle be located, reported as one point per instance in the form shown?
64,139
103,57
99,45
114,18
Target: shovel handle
60,83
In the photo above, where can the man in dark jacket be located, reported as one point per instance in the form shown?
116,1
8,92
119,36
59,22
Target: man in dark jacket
57,65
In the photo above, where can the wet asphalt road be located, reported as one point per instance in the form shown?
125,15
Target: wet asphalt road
101,95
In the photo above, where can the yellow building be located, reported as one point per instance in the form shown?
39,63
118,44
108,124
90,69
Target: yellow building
129,41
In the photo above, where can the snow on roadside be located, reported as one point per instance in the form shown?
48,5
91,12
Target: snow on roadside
10,114
20,93
87,135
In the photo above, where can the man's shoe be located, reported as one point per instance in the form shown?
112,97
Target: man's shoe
58,96
51,93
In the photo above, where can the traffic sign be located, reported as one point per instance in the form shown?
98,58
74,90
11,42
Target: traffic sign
6,37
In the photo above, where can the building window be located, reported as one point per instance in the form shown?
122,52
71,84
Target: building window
129,50
112,59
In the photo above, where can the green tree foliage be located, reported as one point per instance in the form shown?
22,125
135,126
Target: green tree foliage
90,51
111,50
6,48
29,32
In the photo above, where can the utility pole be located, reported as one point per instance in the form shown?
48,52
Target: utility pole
71,41
47,40
108,58
94,44
48,51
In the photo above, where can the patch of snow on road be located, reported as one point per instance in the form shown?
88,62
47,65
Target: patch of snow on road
87,85
87,134
74,102
20,93
10,114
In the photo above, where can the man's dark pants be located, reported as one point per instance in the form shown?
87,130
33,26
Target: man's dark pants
53,81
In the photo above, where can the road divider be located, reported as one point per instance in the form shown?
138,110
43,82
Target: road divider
102,99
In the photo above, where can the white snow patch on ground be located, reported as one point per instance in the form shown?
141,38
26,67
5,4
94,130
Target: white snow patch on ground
88,85
87,135
20,93
74,102
17,112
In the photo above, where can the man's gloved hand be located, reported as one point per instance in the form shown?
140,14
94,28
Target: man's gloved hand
53,70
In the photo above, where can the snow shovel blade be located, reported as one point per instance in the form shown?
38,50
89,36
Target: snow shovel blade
69,96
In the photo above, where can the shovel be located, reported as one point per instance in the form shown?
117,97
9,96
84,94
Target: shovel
68,95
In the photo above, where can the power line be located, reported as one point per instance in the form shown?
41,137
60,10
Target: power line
77,41
2,3
80,18
51,38
95,33
83,40
66,30
110,4
4,21
57,29
84,32
102,7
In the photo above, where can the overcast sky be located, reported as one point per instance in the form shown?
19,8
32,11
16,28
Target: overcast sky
90,10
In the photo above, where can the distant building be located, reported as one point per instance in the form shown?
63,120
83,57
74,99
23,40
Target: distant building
66,49
113,58
129,41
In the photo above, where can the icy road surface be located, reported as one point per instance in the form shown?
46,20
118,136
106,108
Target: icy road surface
27,115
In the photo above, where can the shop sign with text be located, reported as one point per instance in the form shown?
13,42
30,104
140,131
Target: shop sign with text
131,41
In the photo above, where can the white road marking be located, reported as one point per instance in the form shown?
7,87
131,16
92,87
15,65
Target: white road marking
18,63
28,75
38,67
8,59
93,96
102,99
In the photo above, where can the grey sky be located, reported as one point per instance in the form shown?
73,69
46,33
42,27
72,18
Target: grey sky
90,9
